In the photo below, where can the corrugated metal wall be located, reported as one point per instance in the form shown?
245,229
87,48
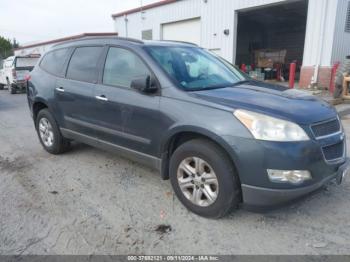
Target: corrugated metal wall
33,50
218,15
319,32
341,46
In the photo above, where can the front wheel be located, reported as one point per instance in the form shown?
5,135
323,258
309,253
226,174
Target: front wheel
204,179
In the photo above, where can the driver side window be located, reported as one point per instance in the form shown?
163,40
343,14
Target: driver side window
122,67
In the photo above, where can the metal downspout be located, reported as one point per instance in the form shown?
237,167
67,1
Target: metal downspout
317,67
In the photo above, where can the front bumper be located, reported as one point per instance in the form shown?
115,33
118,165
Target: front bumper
19,85
258,197
253,158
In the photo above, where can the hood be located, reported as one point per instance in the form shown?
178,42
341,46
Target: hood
274,100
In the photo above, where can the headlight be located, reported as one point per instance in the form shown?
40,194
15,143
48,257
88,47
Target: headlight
268,128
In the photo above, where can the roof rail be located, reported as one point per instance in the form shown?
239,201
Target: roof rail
176,41
130,39
101,37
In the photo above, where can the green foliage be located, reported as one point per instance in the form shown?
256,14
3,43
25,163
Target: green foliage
6,47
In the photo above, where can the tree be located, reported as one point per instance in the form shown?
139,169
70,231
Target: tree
15,44
5,48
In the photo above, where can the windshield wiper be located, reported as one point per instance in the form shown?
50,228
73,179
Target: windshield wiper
241,82
217,86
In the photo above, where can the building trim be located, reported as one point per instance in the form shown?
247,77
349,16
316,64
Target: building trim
66,39
142,8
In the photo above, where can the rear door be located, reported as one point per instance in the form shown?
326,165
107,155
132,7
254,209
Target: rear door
127,117
75,93
7,76
2,73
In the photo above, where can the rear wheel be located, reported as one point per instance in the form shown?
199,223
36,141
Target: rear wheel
204,179
11,89
49,134
2,87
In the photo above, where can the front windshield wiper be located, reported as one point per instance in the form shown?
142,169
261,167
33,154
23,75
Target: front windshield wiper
218,86
241,82
208,87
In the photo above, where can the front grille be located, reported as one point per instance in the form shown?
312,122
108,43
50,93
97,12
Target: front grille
326,128
333,152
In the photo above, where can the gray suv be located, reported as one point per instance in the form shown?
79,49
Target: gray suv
222,138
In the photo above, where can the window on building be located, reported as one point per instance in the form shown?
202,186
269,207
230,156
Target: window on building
347,25
83,64
122,67
53,62
147,35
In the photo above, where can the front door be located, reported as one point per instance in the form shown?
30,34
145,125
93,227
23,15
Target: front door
128,118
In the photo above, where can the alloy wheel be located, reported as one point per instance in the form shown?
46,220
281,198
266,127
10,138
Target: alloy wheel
198,181
46,132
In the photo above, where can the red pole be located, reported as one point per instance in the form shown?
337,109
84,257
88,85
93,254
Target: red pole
292,69
334,72
279,73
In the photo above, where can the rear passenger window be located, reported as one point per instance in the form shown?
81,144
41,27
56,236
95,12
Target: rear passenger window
53,62
83,64
123,66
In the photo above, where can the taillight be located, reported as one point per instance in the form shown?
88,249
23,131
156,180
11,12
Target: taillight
27,77
14,74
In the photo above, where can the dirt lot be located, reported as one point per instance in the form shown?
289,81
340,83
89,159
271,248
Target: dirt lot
92,202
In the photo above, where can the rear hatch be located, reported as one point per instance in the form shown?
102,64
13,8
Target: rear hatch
23,65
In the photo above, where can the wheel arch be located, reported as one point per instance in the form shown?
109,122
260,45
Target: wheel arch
180,135
38,104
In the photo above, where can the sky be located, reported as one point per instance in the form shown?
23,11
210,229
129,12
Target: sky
40,20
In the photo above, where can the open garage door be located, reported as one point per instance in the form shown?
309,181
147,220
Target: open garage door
270,37
186,30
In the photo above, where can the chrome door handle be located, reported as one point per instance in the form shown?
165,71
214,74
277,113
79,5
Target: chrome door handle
101,98
60,89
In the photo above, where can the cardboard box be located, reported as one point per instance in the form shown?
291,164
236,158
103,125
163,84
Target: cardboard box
267,58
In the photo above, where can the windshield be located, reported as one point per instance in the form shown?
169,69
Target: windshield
193,68
26,61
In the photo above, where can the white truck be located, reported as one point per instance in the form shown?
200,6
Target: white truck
13,72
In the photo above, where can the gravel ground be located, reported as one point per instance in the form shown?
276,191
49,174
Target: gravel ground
92,202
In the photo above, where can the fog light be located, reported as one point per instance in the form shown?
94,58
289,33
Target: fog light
288,176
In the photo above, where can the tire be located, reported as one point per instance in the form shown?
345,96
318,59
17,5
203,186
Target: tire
58,144
1,87
11,89
212,161
338,91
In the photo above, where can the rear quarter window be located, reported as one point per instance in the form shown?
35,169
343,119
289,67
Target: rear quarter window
53,62
83,65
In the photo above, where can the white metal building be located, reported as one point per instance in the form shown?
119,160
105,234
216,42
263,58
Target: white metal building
316,33
41,47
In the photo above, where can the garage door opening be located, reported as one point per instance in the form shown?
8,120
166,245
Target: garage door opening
270,38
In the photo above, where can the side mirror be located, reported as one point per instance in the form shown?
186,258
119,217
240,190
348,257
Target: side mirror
144,84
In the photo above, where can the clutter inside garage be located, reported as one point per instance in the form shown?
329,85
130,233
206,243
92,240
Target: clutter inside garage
270,40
